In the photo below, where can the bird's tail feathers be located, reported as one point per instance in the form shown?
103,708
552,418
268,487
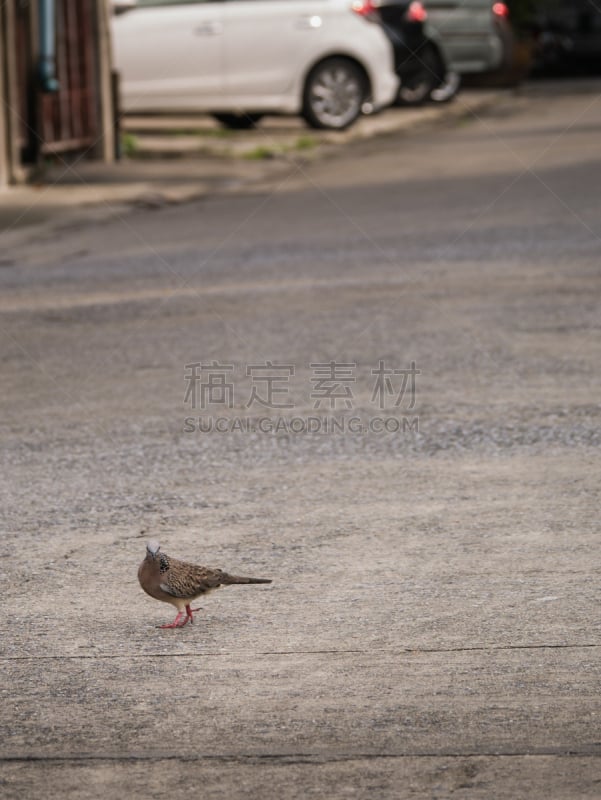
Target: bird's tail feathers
240,579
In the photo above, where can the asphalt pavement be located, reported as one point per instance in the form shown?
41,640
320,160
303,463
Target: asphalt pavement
373,377
168,160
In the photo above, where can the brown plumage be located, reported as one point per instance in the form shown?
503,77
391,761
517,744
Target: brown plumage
179,583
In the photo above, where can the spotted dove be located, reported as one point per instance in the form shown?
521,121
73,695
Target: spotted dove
179,583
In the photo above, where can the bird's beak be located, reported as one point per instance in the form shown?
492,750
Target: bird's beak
152,549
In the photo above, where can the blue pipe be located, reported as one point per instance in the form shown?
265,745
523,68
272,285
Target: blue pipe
47,64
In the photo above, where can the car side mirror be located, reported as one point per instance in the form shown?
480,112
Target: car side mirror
121,6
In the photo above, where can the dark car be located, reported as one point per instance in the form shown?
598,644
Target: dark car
417,59
419,62
567,33
441,41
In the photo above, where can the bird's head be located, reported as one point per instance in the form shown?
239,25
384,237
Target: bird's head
152,550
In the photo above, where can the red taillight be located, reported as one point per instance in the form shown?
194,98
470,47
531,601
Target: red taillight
416,13
500,9
365,8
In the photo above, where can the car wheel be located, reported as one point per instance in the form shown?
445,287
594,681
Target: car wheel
334,94
238,122
447,89
417,87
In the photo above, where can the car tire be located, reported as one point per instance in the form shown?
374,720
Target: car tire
447,89
335,91
238,122
417,87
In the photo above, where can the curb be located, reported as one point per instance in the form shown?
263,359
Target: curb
193,136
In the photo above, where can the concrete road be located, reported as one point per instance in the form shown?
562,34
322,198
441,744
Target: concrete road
432,631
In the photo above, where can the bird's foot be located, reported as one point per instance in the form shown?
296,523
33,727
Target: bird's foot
177,622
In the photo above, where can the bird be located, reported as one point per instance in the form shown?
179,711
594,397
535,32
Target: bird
179,583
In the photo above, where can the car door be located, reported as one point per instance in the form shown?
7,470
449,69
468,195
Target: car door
170,54
267,45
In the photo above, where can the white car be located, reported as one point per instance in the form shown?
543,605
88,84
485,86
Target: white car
238,59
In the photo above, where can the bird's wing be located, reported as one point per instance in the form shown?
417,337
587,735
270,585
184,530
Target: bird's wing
186,580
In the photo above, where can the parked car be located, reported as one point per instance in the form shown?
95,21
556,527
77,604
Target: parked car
240,59
567,33
417,58
462,37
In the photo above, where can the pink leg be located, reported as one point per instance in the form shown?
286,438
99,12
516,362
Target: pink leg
189,613
176,622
